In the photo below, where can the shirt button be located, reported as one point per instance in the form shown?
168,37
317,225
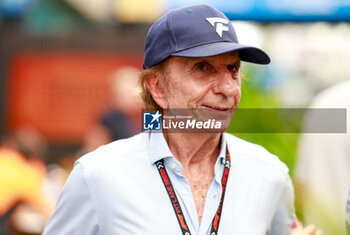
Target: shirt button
184,192
173,166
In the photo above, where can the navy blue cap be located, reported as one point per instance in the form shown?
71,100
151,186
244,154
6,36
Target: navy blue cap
196,31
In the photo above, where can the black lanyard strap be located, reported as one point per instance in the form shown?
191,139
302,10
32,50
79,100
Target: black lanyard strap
175,202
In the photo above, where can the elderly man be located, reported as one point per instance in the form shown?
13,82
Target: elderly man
205,182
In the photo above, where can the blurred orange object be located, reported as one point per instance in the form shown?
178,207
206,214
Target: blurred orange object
61,94
21,180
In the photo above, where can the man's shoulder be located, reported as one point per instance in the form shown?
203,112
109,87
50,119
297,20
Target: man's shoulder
117,151
255,154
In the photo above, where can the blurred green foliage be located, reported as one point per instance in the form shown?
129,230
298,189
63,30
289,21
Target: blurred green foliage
254,95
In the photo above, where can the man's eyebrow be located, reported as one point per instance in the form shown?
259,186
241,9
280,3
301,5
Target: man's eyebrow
199,60
237,63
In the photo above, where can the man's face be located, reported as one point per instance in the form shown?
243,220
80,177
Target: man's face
212,83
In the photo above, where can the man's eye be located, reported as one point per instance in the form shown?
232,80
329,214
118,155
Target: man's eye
232,68
202,67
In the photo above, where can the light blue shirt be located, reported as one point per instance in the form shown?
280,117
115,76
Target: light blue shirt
117,190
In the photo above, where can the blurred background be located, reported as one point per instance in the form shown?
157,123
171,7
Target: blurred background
68,84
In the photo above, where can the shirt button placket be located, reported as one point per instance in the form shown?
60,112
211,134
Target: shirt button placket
173,166
184,192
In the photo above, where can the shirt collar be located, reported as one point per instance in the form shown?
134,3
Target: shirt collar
159,149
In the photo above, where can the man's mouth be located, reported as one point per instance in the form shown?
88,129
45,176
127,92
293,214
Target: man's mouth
216,108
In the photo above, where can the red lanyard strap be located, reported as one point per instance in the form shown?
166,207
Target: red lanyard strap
173,198
216,220
175,202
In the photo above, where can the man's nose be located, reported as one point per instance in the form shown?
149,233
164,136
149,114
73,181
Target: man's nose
226,84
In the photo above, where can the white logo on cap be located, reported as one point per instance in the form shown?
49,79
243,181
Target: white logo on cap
219,22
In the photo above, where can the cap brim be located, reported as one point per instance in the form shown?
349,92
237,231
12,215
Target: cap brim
246,53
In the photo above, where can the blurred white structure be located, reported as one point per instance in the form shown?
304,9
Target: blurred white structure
323,166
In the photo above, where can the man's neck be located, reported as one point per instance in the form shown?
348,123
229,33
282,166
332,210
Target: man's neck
194,148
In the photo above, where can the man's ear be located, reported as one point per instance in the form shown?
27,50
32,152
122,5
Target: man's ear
157,89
